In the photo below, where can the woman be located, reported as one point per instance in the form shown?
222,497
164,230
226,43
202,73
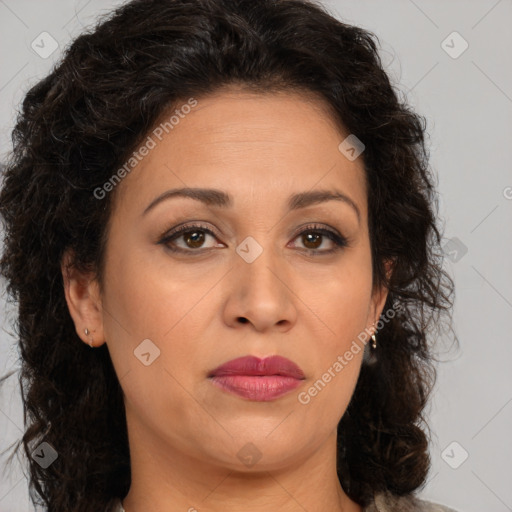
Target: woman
220,227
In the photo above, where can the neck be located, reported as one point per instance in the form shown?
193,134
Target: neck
171,481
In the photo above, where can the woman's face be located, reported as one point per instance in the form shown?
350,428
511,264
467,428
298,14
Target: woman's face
246,282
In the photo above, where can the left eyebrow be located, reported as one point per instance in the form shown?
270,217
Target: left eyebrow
305,199
218,198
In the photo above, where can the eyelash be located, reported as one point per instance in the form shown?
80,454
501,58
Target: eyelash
339,241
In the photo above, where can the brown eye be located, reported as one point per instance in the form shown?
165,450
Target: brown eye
193,238
312,238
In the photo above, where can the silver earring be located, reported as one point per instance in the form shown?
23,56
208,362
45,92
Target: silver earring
87,334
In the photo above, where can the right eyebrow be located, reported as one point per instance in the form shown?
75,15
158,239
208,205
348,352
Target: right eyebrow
209,196
218,198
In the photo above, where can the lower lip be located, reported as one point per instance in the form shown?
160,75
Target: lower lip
257,388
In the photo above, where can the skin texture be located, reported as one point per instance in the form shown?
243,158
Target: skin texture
185,433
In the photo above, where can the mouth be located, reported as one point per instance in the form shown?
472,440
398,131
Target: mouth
257,379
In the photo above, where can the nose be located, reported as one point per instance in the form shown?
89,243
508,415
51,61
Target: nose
261,294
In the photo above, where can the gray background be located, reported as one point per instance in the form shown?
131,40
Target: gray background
468,103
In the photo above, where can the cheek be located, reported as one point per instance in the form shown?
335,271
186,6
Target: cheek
174,313
340,305
343,306
339,347
144,301
340,301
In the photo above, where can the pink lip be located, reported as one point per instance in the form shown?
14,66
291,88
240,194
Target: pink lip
258,379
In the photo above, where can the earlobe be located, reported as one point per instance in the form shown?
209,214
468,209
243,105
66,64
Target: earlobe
380,295
380,300
389,265
84,302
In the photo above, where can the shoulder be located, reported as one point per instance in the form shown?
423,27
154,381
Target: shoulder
387,502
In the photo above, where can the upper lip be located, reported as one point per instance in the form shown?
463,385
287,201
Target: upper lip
251,365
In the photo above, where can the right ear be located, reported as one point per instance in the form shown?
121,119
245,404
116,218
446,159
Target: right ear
84,301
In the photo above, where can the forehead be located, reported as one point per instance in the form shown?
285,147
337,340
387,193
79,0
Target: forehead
248,144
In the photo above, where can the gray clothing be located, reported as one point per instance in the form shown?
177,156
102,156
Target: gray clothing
385,502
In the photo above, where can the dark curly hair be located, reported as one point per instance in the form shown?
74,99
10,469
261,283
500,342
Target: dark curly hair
79,124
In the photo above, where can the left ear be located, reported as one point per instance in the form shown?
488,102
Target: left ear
379,296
